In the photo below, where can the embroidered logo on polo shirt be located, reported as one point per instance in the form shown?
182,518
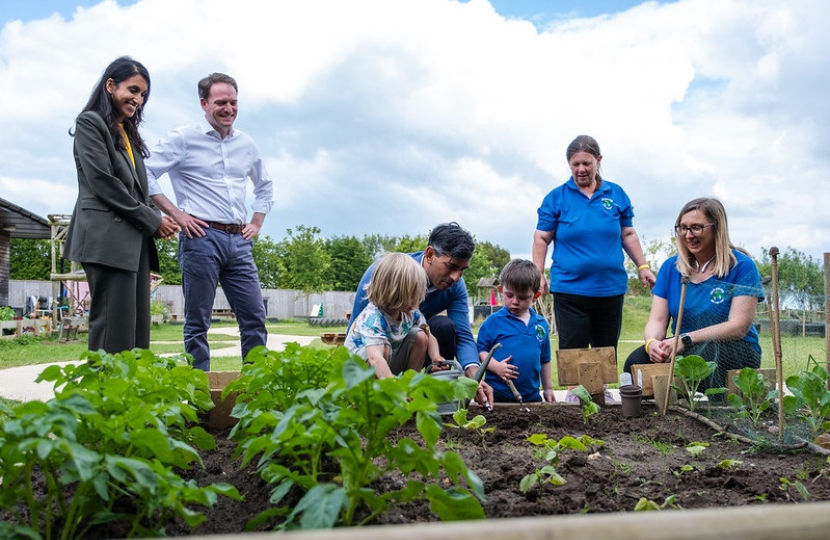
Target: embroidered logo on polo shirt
717,296
608,204
541,335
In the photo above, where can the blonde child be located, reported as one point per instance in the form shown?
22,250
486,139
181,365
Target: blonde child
391,333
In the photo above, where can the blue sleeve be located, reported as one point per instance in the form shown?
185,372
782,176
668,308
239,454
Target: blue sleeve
626,209
747,278
459,312
484,342
548,213
661,286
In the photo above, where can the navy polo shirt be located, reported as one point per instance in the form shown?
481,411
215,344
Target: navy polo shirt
528,343
588,257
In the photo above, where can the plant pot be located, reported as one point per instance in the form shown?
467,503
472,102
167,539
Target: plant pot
631,397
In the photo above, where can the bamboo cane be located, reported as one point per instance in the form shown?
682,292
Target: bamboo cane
775,329
684,281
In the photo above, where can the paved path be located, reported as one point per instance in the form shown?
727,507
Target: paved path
18,383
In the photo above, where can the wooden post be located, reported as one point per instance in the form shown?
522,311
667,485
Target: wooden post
827,314
775,314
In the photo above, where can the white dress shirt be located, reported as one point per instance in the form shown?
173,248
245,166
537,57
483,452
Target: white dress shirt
209,174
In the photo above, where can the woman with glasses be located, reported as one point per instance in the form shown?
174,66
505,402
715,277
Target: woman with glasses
722,293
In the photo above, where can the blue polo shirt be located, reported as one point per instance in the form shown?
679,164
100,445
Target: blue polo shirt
708,303
588,257
528,343
454,300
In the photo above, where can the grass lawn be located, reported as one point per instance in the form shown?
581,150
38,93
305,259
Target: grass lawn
167,338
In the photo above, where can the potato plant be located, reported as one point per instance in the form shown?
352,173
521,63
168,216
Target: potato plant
330,437
107,448
810,398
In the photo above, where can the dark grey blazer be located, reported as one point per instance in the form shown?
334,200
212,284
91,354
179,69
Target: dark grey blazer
112,215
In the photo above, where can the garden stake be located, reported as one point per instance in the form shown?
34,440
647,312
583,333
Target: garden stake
684,281
482,369
775,330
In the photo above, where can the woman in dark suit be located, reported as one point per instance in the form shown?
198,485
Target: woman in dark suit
112,228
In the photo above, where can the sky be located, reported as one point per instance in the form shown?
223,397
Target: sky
391,116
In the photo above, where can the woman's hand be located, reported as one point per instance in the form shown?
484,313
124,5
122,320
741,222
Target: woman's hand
660,351
167,228
647,277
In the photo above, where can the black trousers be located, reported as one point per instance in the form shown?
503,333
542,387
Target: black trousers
587,321
119,305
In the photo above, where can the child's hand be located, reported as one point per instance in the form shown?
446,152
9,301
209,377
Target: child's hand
504,368
548,396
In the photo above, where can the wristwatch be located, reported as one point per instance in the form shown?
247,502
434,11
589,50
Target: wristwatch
687,341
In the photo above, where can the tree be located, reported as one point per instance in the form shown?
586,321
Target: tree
800,278
170,272
305,261
488,261
349,260
30,259
268,262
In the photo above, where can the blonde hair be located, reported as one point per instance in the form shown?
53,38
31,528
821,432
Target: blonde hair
716,214
398,279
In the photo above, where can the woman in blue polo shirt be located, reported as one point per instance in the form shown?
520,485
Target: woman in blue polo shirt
589,221
723,291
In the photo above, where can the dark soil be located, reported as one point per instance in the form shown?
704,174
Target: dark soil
641,458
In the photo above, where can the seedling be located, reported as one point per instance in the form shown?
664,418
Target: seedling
799,487
660,446
810,398
692,370
753,399
589,408
553,449
683,470
729,464
647,505
695,449
475,424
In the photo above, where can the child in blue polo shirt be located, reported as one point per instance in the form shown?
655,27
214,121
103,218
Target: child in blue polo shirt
524,357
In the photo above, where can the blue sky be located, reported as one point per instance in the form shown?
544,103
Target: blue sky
538,11
390,117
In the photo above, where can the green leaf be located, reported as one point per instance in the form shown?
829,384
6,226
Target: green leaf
320,506
454,504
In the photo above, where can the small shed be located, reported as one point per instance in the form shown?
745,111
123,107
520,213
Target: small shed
16,222
488,299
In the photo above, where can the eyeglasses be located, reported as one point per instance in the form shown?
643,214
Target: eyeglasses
696,230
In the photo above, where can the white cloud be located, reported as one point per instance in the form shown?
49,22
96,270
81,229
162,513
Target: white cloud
389,117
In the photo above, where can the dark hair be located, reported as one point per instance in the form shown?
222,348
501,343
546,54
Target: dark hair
584,143
450,239
213,78
521,275
100,101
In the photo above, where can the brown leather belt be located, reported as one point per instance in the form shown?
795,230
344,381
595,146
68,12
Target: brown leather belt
230,228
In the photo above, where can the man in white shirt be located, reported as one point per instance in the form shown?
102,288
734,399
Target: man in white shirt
209,165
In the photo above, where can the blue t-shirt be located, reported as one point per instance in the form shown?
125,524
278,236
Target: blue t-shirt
528,343
454,300
587,257
708,303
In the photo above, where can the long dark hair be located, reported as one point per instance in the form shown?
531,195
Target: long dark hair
100,101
